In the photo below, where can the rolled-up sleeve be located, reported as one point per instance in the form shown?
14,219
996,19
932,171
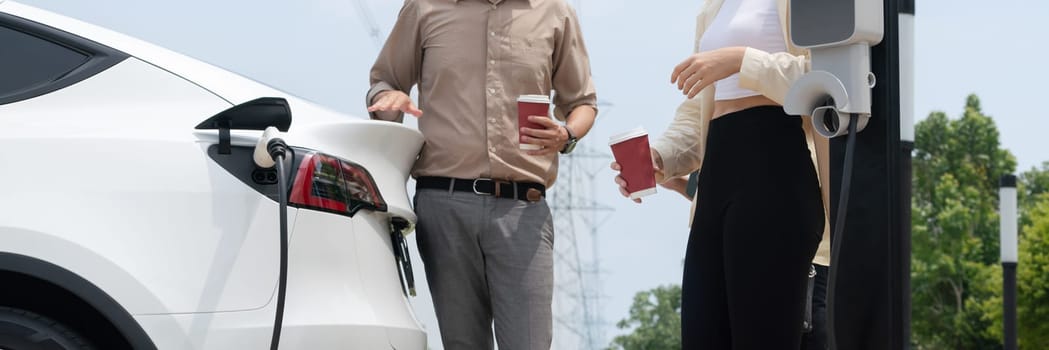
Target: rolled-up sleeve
679,147
771,74
399,63
571,71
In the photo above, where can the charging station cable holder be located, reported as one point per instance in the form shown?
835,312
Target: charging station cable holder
838,86
839,35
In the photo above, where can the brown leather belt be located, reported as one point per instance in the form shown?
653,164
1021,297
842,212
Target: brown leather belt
525,191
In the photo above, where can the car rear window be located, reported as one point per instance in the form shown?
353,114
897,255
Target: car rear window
28,62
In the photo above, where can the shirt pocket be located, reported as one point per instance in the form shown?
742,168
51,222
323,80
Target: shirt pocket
532,48
531,61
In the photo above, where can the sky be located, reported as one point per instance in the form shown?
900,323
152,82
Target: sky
321,50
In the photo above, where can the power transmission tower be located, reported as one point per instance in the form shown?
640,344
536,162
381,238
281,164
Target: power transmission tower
578,288
369,23
577,219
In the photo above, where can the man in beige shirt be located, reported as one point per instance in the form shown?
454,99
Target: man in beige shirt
485,230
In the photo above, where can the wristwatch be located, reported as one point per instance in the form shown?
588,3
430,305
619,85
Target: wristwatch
572,141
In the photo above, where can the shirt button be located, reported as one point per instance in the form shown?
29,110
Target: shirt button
493,33
491,62
490,91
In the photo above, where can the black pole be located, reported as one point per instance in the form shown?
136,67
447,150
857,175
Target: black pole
1010,256
902,313
872,293
1009,301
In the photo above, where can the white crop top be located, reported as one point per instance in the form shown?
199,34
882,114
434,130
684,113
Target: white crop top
750,23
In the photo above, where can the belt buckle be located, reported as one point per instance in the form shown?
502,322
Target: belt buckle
496,187
474,187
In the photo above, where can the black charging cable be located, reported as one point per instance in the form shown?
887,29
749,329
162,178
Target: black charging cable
400,254
279,150
839,227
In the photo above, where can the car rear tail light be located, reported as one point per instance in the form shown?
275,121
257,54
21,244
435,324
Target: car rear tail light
326,183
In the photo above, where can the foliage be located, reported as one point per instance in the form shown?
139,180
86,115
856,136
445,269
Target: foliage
655,321
957,164
1031,184
1033,277
1032,281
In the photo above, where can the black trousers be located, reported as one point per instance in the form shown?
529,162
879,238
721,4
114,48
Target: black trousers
758,222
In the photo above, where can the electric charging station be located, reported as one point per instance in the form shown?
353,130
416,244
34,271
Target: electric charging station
855,86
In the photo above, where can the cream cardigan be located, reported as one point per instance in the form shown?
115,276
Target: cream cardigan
770,74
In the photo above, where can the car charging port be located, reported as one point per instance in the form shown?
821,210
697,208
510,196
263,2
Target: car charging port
264,176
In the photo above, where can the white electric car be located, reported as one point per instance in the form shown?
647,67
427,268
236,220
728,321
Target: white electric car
132,215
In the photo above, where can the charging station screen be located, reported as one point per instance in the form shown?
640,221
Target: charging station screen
821,22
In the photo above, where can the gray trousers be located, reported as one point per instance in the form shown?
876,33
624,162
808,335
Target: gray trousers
488,259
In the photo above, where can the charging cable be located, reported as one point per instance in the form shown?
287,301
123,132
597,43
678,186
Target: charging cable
839,227
400,254
269,152
278,149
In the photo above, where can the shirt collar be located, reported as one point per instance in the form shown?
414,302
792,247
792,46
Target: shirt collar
495,2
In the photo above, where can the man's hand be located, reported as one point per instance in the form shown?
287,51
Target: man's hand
552,137
658,173
705,68
393,100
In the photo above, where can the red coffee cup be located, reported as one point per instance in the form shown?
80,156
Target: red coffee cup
634,156
529,105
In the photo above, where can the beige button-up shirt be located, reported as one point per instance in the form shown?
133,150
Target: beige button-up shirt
471,60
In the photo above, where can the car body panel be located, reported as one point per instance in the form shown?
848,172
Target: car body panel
112,182
243,330
326,126
332,297
138,145
132,100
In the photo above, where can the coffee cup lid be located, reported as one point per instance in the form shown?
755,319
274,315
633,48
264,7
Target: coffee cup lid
534,99
632,133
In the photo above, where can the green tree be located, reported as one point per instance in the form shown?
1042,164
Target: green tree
654,321
1033,276
957,164
1032,183
1033,270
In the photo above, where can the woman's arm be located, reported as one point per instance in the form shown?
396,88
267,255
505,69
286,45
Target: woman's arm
678,151
771,74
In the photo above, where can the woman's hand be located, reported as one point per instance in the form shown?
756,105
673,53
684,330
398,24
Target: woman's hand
657,162
677,184
702,69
